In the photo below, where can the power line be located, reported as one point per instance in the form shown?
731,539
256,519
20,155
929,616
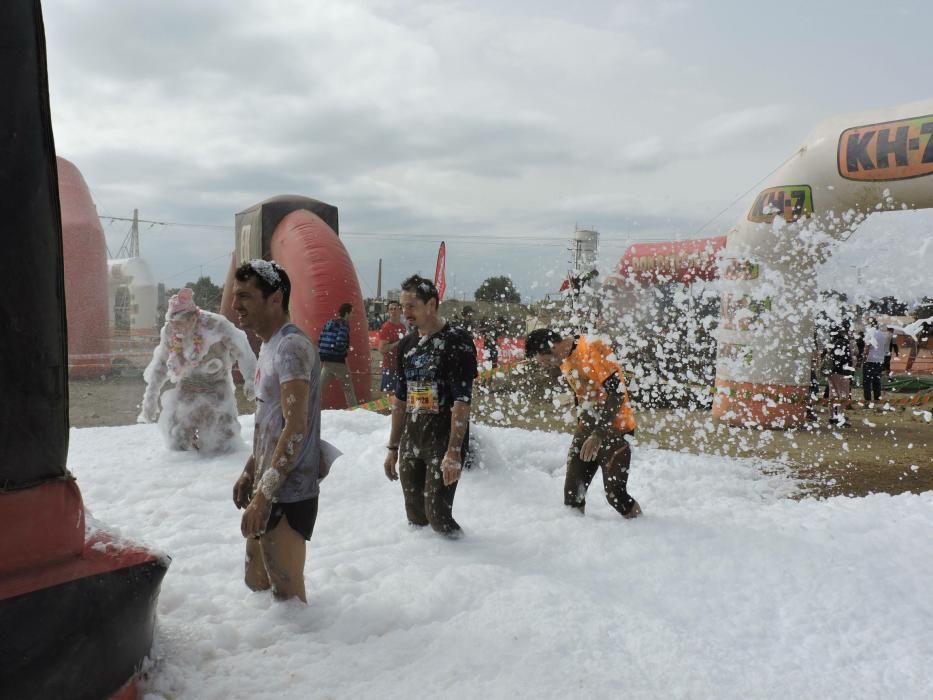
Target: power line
425,238
746,192
166,223
195,267
471,239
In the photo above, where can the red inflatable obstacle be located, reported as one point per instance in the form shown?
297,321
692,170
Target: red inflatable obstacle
85,254
301,235
77,607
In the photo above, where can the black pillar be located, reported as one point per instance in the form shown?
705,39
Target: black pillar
33,352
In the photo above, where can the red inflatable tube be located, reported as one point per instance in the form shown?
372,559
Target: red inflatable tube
85,254
323,278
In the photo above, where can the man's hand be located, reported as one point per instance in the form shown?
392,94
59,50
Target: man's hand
590,447
389,465
241,490
249,391
149,412
450,467
256,516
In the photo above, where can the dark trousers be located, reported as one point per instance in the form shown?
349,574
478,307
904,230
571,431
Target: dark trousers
871,380
427,500
613,458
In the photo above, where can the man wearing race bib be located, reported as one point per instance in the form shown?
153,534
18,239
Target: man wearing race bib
604,416
430,418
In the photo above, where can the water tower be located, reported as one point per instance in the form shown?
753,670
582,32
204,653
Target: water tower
585,244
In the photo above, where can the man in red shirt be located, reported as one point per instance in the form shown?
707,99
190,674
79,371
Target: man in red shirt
390,334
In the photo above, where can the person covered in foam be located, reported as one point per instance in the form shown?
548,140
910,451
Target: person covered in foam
196,353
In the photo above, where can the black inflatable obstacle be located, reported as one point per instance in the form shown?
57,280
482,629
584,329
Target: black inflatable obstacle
76,607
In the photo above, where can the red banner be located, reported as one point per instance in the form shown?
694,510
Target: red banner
440,281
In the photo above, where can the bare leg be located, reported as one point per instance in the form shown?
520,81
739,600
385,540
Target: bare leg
256,577
346,381
283,552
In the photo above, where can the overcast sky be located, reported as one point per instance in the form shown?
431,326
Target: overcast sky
496,126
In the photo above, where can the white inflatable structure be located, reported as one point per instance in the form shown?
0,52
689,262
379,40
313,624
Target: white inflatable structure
133,296
849,166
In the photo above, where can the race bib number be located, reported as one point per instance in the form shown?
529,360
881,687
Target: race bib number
422,398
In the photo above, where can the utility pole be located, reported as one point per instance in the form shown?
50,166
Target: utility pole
379,281
130,247
134,244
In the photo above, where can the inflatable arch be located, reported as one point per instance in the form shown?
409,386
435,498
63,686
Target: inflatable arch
302,235
847,168
78,606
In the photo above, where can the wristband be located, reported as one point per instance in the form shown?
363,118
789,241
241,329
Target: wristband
393,448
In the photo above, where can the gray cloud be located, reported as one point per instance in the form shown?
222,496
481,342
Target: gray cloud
513,121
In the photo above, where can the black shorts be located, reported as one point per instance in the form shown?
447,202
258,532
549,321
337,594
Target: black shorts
300,516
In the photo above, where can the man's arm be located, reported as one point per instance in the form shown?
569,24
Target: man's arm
386,346
601,423
459,419
237,345
464,373
155,375
398,419
244,485
395,436
295,394
345,336
615,397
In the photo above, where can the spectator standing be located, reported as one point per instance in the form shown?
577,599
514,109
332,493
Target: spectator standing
391,333
333,346
842,366
892,347
877,342
467,320
490,334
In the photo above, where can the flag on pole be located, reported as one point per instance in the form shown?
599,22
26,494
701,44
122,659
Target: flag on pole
440,280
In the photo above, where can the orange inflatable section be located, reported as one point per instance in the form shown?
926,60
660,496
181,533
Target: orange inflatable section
323,278
767,405
85,254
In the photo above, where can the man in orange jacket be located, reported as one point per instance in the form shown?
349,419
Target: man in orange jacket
604,416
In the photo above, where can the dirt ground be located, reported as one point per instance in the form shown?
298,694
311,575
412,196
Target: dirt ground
882,451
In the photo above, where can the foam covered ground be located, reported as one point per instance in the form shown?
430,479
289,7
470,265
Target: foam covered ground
726,588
